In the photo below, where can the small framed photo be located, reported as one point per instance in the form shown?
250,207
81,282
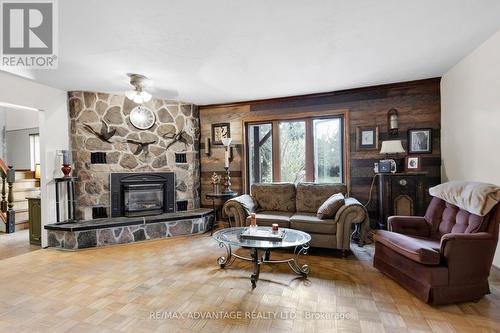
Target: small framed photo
220,131
367,138
420,141
413,163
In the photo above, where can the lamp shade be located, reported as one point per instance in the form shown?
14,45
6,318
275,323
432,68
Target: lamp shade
226,141
392,147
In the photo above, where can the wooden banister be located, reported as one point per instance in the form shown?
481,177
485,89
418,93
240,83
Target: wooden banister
7,213
3,167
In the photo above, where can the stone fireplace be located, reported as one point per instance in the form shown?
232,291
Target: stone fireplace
131,150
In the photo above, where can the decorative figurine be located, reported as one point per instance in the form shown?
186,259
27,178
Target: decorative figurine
216,180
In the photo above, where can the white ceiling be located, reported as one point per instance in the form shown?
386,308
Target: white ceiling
232,50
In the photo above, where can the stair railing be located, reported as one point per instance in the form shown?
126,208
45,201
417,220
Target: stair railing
7,213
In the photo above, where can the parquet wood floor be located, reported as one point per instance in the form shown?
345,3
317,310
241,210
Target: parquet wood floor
132,288
15,244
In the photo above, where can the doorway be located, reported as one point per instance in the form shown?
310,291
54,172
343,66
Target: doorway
20,197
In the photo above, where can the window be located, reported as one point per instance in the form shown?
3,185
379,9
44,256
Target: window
292,141
327,150
295,150
260,152
34,150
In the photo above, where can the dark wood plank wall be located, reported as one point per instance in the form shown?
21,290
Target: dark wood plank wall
417,102
215,161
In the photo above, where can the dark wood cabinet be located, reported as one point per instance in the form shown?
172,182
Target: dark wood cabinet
35,220
401,194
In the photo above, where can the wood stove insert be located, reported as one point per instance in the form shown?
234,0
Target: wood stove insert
142,194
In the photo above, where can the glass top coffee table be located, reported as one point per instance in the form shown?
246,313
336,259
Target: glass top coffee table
296,239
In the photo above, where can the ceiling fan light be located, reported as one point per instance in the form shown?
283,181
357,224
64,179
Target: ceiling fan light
138,95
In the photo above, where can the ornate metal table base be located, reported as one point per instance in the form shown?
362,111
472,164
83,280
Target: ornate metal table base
302,270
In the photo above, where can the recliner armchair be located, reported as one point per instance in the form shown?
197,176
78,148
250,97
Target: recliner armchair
444,257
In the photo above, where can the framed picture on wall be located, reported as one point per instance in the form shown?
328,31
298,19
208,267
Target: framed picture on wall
420,141
220,131
367,138
413,163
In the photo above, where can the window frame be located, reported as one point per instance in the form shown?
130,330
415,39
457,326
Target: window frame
35,151
246,151
308,117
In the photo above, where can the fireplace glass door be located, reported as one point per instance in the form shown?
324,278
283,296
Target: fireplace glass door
142,199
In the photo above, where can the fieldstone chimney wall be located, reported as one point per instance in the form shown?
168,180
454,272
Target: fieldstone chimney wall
92,109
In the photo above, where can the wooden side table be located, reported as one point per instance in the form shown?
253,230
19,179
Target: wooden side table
70,197
35,219
401,194
221,198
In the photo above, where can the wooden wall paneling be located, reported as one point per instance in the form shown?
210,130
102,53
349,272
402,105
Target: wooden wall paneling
417,102
215,162
347,152
244,169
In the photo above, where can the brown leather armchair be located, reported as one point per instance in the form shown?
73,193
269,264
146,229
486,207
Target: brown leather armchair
444,257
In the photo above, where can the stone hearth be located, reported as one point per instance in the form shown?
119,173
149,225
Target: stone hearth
92,109
122,230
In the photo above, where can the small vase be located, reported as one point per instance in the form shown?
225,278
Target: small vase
216,188
66,169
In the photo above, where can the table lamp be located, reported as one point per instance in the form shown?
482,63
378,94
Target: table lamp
390,147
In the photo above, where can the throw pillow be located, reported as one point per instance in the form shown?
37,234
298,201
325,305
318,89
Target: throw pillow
474,197
330,207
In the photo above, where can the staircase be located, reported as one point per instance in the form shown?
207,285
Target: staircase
7,218
25,185
15,186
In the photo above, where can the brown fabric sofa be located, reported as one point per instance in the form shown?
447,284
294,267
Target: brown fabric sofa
296,207
444,257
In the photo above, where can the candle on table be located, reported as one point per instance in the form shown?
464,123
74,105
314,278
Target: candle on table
253,220
66,157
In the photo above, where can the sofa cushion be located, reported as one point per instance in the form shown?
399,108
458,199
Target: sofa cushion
421,250
310,196
331,206
267,218
274,196
309,222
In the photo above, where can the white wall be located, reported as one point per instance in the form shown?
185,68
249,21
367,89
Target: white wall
53,130
19,147
21,119
470,118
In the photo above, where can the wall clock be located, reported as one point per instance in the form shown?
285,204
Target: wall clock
142,117
219,132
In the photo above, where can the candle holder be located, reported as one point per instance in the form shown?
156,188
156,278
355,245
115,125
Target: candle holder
227,182
227,163
66,170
